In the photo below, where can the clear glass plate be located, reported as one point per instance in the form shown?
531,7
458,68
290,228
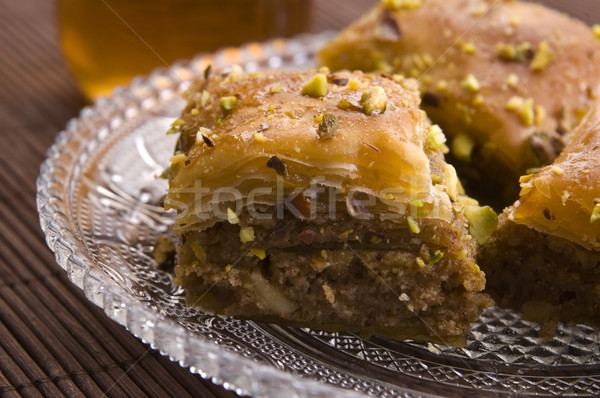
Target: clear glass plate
97,198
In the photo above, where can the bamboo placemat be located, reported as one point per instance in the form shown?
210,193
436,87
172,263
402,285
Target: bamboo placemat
53,341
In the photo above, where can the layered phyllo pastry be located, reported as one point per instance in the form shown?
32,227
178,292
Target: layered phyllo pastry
507,81
323,200
545,255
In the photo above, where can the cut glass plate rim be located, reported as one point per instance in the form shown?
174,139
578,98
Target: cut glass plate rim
231,370
54,199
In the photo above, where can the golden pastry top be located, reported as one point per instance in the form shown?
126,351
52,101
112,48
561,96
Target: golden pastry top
352,131
515,76
564,199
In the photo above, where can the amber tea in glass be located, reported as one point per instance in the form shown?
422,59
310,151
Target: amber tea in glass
107,42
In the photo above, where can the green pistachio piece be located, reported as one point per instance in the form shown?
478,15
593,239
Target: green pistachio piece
228,103
462,147
483,221
374,99
316,87
328,126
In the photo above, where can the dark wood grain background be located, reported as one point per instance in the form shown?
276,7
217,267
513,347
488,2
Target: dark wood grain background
53,341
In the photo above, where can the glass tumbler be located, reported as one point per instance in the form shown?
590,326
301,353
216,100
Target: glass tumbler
107,42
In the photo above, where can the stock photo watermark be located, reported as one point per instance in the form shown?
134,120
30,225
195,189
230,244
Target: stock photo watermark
309,202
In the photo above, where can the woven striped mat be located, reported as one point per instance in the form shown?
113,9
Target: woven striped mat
53,341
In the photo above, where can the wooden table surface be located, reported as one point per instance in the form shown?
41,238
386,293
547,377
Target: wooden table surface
53,341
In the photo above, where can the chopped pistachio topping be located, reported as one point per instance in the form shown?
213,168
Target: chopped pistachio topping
540,114
194,112
442,85
395,5
514,104
178,122
344,104
260,253
543,56
202,132
595,213
328,126
524,108
418,62
451,183
483,221
246,234
557,170
471,83
506,52
259,137
509,52
353,84
398,78
512,80
596,30
437,256
416,203
526,178
177,158
420,262
316,87
436,139
232,217
319,118
228,103
526,113
469,47
413,225
228,268
462,147
478,100
204,97
374,99
275,88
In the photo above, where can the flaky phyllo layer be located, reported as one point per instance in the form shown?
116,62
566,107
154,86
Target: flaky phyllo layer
275,142
323,199
507,94
563,199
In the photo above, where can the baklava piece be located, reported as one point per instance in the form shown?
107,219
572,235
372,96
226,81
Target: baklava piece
322,200
506,80
545,255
